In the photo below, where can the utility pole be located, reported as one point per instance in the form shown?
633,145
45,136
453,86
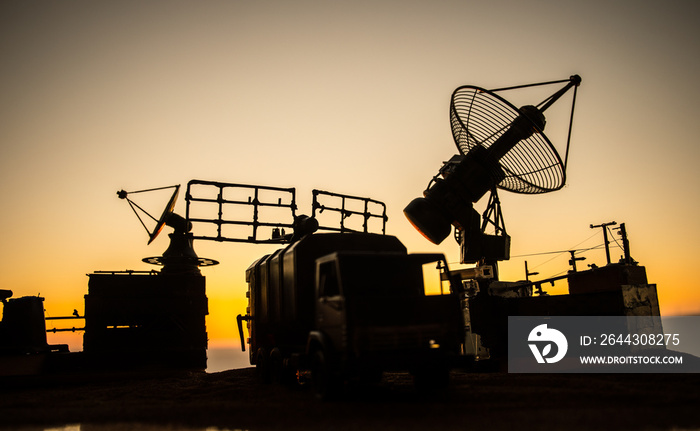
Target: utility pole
604,226
625,244
528,273
573,260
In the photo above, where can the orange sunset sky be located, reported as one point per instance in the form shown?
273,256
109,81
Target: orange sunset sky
350,97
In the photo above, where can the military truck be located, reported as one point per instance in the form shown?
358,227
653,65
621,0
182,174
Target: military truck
342,307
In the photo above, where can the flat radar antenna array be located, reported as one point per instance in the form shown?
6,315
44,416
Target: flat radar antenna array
233,212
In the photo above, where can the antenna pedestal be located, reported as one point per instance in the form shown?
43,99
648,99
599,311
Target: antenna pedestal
180,257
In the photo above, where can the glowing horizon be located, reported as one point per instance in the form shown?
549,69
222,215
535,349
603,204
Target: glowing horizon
350,98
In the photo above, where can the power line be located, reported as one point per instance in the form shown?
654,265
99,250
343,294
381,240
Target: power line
557,252
560,252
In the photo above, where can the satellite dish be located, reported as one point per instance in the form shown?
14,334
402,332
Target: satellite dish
480,117
180,256
165,216
500,146
167,212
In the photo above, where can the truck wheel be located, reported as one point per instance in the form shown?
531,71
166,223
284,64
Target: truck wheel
278,372
262,365
324,381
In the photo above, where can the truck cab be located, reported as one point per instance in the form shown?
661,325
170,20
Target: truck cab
373,314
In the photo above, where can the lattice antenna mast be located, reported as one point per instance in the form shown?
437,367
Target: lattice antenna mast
493,215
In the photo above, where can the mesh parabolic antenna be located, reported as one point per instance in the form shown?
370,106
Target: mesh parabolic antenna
500,146
479,117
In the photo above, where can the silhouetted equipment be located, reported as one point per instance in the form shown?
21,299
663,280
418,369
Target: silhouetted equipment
344,211
604,226
4,295
500,146
342,301
74,316
153,318
244,202
165,216
136,319
23,329
575,259
23,346
347,306
240,212
616,289
528,274
180,256
625,244
339,301
504,147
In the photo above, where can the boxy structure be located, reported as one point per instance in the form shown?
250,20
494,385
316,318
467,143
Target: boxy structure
146,319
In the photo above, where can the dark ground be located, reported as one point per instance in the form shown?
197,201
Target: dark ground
235,400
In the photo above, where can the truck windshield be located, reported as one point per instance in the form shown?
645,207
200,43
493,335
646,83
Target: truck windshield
384,275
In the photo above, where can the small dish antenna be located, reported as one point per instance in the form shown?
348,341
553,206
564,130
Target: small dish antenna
167,212
165,216
180,255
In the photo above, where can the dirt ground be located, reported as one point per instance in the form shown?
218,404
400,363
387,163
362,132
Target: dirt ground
235,400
